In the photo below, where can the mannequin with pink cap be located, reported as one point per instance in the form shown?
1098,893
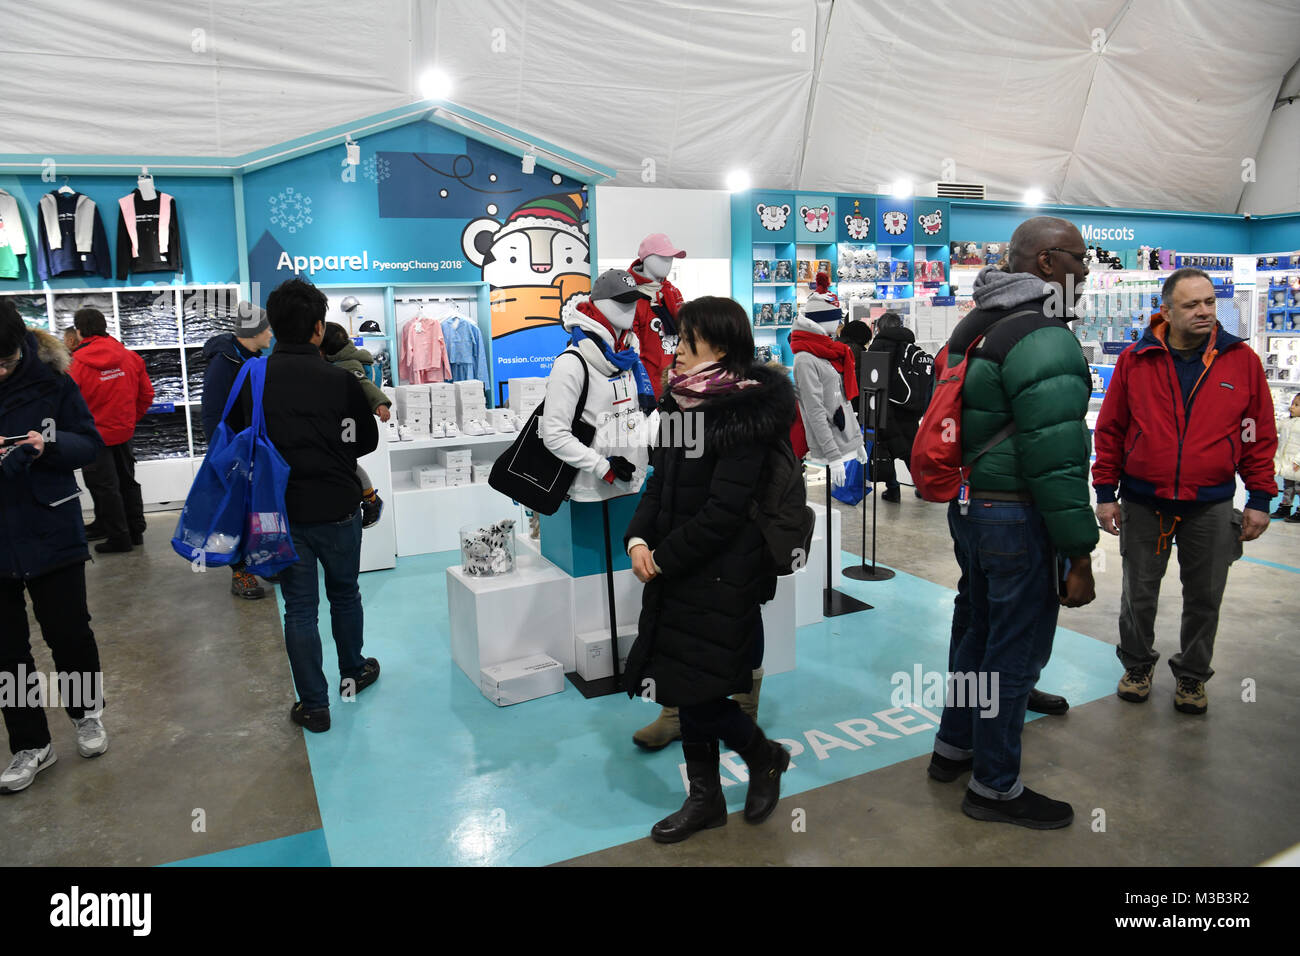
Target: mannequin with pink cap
656,313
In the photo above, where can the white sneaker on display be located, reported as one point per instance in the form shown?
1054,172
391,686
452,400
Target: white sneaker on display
452,431
92,739
436,431
22,770
472,427
404,433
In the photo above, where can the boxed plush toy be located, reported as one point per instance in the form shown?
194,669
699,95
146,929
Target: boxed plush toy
488,551
764,314
784,313
805,271
782,270
762,270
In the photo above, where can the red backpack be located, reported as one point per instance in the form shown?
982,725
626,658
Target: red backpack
936,464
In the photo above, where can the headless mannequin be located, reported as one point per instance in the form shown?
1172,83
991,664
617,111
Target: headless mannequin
837,466
145,185
620,314
657,267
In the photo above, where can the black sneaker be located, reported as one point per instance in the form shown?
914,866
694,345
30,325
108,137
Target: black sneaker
371,508
946,770
892,494
1032,810
113,547
351,686
94,532
317,721
1283,511
1294,519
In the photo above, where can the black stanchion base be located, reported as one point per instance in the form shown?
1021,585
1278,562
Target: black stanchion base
600,687
867,572
835,603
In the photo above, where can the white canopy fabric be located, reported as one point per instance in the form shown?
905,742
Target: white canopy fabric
1136,103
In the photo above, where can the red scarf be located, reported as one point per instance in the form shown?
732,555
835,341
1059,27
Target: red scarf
837,353
593,313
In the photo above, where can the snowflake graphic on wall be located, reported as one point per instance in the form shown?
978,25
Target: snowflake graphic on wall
291,209
376,169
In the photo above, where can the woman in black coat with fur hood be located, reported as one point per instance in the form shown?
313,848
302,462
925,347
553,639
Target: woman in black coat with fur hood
703,559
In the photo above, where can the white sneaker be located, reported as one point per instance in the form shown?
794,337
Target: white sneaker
474,427
22,770
92,739
435,431
452,431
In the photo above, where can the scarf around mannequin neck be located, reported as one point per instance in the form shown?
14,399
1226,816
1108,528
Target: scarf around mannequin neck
624,359
838,354
694,386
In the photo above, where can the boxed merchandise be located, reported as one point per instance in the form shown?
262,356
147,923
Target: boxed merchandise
454,457
784,313
782,270
500,419
765,314
428,476
593,653
525,393
481,472
805,271
762,270
519,680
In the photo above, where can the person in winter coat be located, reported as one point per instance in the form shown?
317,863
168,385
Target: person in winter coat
1187,410
118,392
704,562
911,372
857,336
1025,441
223,356
338,349
43,543
1287,461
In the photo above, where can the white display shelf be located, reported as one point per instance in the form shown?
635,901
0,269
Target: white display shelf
403,483
464,441
430,519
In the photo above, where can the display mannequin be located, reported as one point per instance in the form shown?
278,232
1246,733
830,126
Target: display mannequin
825,379
656,312
619,394
145,184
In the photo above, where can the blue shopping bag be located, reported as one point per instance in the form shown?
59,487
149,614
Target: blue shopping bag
855,487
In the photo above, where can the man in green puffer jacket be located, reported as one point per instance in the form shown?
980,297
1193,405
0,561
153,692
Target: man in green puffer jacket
338,349
1024,438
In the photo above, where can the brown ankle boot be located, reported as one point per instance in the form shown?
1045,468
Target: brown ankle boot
664,730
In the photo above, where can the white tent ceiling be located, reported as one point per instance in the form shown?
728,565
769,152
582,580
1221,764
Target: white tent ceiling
1142,103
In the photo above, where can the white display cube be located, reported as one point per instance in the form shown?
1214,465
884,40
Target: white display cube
779,626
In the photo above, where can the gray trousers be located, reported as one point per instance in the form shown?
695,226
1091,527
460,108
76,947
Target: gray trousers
1207,546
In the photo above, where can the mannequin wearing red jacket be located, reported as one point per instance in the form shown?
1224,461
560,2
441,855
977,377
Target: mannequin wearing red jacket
655,324
118,392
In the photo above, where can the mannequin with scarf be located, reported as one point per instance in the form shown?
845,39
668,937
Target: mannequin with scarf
825,378
619,394
656,312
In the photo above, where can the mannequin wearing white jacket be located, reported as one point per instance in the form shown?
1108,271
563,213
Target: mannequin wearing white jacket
622,428
820,388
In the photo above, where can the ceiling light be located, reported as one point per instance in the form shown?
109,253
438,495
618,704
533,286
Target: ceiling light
1033,196
737,181
901,188
435,85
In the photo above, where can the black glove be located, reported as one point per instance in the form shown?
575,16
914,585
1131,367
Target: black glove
838,418
15,459
622,468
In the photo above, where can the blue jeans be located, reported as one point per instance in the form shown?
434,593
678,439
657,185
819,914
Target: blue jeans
1003,622
337,547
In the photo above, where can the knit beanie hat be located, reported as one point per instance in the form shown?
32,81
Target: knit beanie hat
250,320
822,305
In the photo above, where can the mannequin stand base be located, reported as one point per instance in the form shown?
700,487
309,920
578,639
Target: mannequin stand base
836,603
867,572
600,687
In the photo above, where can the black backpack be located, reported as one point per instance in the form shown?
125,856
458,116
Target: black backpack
914,378
780,509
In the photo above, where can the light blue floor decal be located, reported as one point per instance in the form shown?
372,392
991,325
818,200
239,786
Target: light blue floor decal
423,770
301,849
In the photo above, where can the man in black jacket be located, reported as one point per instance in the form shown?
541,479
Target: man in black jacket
225,354
319,420
43,547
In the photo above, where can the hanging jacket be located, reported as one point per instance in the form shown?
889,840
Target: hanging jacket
148,234
115,384
40,509
13,240
1029,370
466,350
422,352
1287,460
70,237
612,408
699,617
1155,446
224,355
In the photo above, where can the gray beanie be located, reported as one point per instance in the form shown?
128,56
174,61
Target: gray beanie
250,320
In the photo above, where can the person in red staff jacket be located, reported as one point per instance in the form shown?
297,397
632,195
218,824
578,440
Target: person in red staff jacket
117,389
1187,410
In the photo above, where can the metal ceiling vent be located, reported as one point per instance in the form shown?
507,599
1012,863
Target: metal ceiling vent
941,190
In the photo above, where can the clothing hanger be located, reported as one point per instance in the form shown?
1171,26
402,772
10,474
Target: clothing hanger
66,189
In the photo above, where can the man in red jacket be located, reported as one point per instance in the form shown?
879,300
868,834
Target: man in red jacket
1188,409
117,389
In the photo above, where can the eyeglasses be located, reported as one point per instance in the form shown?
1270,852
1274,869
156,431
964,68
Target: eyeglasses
1078,256
9,364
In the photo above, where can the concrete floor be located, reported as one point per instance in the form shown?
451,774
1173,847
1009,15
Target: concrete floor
198,690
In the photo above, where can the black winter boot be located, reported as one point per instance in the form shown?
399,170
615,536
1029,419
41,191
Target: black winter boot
705,807
766,760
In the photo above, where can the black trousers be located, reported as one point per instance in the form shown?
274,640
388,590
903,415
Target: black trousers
59,603
722,719
110,479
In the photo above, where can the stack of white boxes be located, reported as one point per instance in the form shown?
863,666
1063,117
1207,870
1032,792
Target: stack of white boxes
442,402
481,470
429,476
471,405
525,394
457,465
413,409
